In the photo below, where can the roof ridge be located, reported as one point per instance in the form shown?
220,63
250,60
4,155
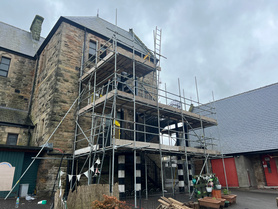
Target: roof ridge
99,18
141,42
128,31
111,28
111,23
242,93
249,91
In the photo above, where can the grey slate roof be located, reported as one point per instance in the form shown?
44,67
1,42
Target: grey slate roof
247,122
107,29
14,116
18,40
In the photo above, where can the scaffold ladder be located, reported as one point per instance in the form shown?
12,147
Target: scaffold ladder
157,43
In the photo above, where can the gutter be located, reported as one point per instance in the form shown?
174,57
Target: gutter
34,82
17,53
29,136
16,125
37,57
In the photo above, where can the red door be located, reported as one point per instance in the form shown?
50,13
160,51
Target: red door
231,173
270,170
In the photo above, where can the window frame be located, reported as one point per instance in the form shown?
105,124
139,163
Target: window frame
8,142
92,56
103,52
2,64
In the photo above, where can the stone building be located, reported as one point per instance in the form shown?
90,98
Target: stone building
89,91
18,62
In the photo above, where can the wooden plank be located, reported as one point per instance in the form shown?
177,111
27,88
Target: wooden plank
149,145
177,206
200,151
151,104
171,203
86,150
164,107
175,201
154,146
97,102
163,202
108,56
159,207
166,199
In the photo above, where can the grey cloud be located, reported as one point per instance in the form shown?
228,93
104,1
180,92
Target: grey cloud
230,46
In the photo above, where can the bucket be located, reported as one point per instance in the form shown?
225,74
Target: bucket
218,186
43,202
209,189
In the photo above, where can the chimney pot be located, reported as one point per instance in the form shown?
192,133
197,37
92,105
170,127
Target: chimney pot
36,27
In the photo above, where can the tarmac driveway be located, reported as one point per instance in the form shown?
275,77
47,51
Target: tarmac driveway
255,199
24,204
246,199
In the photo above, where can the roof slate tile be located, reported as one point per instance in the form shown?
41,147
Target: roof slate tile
107,29
18,40
247,122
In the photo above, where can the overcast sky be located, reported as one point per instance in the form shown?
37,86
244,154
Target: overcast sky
230,46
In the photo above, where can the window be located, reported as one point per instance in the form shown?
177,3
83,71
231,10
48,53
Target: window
103,52
267,160
42,126
12,139
92,50
4,66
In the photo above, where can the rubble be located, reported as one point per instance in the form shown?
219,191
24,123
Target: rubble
170,203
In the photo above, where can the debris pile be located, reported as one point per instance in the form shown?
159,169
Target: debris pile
170,203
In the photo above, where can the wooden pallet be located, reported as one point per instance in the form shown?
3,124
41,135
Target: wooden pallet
170,203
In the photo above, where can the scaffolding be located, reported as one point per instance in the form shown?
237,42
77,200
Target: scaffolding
122,111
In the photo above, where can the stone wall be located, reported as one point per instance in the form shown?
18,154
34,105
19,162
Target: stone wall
258,170
57,87
23,135
15,92
67,75
55,91
15,89
250,171
245,171
45,90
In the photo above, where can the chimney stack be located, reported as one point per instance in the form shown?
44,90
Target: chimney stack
36,27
